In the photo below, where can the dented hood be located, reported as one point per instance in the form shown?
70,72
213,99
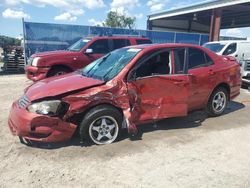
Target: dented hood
60,85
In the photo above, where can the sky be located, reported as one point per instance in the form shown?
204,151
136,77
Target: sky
86,12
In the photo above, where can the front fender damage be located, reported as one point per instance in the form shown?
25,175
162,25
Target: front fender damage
115,94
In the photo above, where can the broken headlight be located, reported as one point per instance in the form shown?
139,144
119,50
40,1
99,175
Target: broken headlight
51,108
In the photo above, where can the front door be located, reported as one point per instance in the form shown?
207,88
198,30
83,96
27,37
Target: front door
155,92
100,47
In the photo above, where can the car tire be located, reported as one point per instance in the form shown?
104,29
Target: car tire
217,102
56,71
101,125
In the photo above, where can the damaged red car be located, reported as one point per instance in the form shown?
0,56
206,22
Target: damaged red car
123,89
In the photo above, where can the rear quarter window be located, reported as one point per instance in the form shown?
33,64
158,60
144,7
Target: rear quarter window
143,41
197,58
119,43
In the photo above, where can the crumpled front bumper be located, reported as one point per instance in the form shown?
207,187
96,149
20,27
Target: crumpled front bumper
38,128
36,73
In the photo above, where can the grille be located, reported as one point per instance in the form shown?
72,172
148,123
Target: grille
247,66
23,101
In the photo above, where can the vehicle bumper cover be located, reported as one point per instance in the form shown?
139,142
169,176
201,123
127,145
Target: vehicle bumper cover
38,128
36,73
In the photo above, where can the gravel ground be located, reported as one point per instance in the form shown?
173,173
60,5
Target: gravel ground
193,151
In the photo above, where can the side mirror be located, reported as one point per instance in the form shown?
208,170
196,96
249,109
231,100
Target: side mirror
89,51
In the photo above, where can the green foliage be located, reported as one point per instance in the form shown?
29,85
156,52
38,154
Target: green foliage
114,19
9,41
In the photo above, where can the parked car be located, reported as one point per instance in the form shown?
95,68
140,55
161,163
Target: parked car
239,49
124,89
80,54
245,71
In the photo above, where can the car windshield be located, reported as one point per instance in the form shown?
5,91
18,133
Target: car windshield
110,65
215,47
78,45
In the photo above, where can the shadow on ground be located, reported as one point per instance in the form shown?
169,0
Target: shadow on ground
3,73
194,119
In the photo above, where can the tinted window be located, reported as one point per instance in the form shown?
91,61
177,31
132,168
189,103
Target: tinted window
119,43
179,57
158,64
196,58
100,46
145,41
208,60
230,49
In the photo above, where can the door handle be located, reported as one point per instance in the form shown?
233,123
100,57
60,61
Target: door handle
179,82
74,58
211,72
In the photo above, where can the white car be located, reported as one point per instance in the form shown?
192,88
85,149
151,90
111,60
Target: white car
239,49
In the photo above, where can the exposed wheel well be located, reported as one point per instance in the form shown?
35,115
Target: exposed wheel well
58,67
77,118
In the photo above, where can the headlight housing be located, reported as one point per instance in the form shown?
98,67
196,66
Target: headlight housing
35,61
50,108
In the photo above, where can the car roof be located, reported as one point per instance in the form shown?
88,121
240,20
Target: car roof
163,45
116,37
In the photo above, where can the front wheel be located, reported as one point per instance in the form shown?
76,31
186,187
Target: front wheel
101,124
217,102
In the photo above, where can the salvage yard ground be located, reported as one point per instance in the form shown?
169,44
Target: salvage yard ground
193,151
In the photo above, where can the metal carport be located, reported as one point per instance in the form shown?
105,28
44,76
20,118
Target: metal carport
206,18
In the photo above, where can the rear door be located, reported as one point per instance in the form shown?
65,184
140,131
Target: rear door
119,43
154,91
202,73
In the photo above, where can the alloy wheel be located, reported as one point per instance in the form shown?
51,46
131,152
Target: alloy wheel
219,102
104,130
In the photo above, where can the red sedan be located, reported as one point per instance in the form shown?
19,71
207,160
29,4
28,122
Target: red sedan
124,89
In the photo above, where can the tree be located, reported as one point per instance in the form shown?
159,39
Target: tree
114,19
9,41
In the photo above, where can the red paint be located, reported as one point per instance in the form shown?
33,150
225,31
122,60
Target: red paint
53,87
147,99
29,125
72,60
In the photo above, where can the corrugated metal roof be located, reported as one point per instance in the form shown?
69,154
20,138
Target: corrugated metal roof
196,8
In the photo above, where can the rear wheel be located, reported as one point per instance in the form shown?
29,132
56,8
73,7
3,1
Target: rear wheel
56,71
217,102
101,124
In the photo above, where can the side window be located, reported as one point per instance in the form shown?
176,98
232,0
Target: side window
179,60
141,41
158,64
100,46
197,58
230,49
119,43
